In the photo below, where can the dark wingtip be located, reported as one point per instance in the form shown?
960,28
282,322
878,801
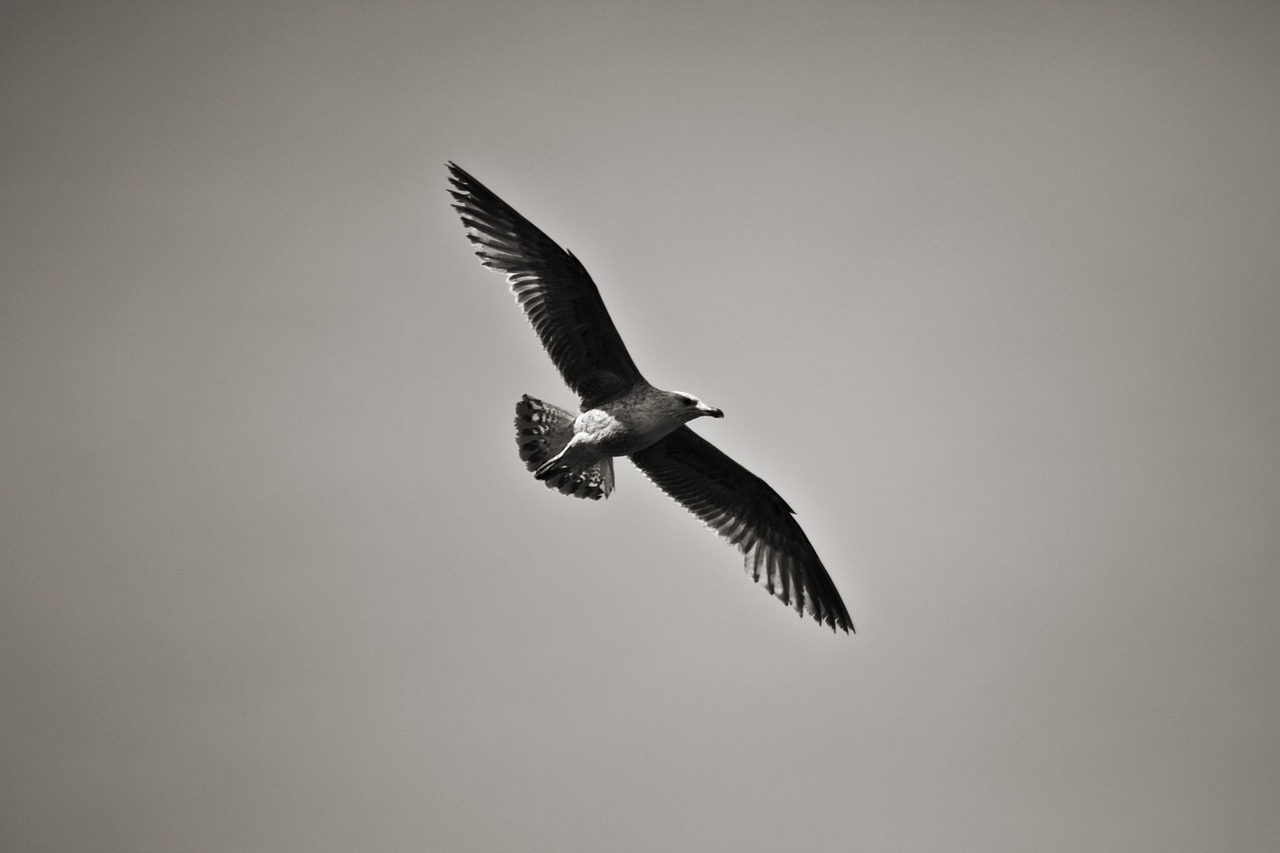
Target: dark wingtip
459,177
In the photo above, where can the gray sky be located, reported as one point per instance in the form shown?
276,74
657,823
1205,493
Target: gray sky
988,291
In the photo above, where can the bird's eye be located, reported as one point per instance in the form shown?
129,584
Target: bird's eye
688,401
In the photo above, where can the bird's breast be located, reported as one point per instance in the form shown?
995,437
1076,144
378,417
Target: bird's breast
619,431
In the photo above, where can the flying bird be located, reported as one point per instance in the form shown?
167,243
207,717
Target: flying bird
623,415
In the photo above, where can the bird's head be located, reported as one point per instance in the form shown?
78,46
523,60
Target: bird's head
687,407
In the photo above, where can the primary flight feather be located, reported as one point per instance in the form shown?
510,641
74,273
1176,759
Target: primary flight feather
623,415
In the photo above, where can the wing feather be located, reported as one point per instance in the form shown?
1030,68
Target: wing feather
749,514
554,289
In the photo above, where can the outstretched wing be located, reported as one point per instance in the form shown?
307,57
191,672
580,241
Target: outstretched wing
554,289
745,510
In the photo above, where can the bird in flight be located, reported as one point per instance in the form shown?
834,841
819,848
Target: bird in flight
623,415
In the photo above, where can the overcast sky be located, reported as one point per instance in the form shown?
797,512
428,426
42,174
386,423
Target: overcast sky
988,291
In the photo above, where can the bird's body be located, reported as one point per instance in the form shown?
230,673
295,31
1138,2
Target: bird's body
621,414
631,422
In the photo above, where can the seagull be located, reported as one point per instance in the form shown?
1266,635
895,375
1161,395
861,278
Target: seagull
621,414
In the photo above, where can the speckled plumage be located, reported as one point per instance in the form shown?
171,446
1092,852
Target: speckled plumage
623,415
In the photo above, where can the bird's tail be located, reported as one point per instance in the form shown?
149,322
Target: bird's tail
542,431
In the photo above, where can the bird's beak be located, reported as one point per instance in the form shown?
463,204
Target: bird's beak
710,411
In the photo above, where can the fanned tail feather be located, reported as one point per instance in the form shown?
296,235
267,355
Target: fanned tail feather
542,431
